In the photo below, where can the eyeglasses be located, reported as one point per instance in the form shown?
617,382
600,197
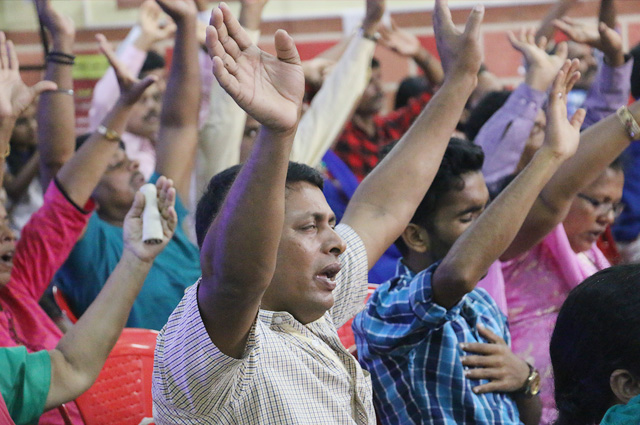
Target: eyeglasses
603,208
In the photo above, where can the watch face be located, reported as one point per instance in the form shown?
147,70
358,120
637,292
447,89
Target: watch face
535,384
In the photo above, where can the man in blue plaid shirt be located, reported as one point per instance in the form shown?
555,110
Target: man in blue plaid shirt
436,346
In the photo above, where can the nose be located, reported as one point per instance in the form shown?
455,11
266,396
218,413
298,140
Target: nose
336,243
607,218
6,234
134,165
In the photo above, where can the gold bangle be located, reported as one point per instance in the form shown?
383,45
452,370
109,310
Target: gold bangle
110,135
629,122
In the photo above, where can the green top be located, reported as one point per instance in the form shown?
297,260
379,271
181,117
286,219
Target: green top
24,382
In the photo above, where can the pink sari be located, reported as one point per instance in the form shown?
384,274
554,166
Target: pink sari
537,283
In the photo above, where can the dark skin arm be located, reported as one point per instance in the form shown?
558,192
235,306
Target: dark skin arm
178,135
238,256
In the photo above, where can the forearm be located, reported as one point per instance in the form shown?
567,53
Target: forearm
178,135
431,67
608,13
386,193
483,243
599,145
81,174
251,15
86,346
530,409
6,129
19,183
333,105
56,119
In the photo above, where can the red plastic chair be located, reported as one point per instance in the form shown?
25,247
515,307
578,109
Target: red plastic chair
346,333
61,300
122,393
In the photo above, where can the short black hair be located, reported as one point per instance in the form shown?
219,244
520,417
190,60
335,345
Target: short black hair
596,332
152,62
211,201
460,157
81,139
375,63
410,87
484,110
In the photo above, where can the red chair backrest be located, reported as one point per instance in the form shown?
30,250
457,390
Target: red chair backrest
346,333
61,300
122,393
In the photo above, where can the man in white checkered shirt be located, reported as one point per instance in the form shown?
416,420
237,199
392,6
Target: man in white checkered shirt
255,341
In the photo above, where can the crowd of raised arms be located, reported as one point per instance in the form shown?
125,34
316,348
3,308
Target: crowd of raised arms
479,244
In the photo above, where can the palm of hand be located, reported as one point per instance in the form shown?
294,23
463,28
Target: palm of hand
15,96
179,8
269,89
132,235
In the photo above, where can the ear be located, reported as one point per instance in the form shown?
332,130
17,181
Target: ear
416,238
624,385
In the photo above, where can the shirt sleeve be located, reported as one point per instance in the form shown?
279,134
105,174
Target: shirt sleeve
505,134
107,91
332,106
399,314
609,91
24,382
351,281
220,137
180,384
46,241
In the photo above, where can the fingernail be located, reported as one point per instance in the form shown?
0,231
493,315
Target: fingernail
475,390
466,373
479,326
478,8
463,345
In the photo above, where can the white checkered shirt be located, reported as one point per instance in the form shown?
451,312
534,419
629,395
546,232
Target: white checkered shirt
290,373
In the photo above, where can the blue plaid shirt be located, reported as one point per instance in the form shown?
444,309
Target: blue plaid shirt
410,345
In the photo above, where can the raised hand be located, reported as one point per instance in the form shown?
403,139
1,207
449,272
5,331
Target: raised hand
131,88
132,228
251,13
460,52
494,361
400,41
561,134
61,28
267,87
603,38
542,67
179,9
156,25
317,69
15,95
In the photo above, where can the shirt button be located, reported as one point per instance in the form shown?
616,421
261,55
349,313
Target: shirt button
277,320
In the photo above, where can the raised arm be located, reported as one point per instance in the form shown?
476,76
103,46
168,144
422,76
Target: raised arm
220,137
153,27
56,111
481,244
386,200
178,135
239,252
504,136
334,103
79,356
15,96
408,45
81,174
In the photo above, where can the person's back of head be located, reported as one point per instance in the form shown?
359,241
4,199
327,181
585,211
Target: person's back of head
461,157
597,334
219,185
484,110
152,62
410,87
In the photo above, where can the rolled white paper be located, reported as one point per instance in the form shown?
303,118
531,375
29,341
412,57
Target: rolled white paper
151,224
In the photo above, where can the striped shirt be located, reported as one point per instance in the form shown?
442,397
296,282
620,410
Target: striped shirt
290,373
410,345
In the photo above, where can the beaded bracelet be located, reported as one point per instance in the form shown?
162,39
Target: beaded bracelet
62,54
59,60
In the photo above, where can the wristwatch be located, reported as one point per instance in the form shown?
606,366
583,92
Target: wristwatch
531,386
110,135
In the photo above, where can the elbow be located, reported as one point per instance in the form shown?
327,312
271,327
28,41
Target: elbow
460,276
